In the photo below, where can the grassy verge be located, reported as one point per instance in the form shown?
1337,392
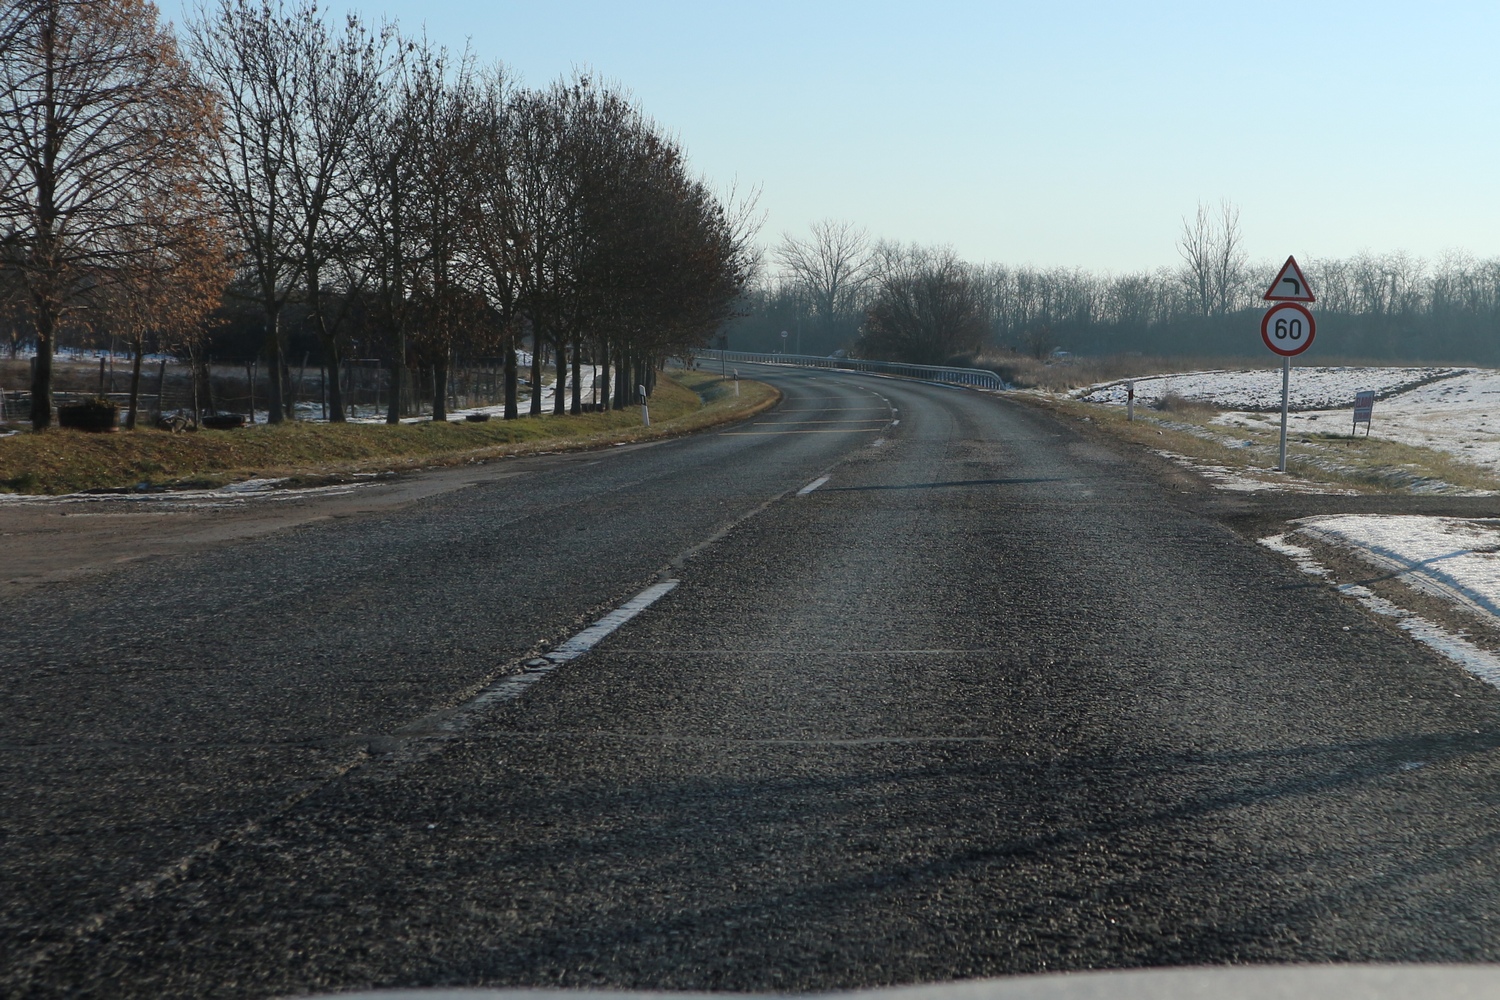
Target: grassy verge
1369,465
59,461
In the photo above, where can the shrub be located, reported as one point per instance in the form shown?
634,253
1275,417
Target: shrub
97,414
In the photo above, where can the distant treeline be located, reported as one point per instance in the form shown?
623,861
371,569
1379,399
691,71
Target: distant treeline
835,289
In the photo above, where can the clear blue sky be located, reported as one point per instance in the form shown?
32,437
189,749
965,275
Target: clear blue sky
1058,133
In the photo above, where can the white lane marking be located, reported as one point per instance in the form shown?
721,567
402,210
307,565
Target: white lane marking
591,636
804,491
412,743
511,686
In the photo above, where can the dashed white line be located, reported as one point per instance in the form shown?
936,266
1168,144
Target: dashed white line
411,743
512,686
804,491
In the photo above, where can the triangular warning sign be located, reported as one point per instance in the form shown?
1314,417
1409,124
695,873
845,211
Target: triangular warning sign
1290,285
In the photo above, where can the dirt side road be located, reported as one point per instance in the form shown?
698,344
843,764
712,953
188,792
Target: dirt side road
48,539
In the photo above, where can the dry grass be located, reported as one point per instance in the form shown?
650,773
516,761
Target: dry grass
1183,406
58,461
1077,372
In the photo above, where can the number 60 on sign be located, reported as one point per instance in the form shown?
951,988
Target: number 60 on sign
1288,329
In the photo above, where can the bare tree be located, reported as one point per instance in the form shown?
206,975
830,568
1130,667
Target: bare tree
174,273
497,232
447,283
93,96
295,93
833,266
14,317
930,307
396,143
1214,258
240,50
342,76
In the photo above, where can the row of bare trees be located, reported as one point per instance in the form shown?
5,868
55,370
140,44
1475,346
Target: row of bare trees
383,181
379,183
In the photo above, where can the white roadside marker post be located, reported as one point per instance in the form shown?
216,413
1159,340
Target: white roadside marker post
1286,394
645,410
1287,329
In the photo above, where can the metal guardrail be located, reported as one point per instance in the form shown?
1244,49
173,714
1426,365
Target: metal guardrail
977,378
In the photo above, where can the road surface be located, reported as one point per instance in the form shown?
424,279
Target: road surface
988,698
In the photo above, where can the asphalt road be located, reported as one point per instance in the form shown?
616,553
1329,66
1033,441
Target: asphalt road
991,699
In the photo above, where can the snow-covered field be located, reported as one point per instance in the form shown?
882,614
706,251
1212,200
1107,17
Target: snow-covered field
1259,390
1453,410
1459,415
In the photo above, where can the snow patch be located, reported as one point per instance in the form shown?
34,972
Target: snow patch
1247,480
1482,663
1452,558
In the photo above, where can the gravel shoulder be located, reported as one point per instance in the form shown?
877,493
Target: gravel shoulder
52,539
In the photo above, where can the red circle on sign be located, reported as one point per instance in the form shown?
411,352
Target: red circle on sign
1288,328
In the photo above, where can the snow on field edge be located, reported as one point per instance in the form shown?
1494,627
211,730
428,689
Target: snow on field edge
1482,663
1258,390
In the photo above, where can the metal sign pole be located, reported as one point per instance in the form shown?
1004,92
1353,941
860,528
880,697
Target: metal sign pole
1286,391
1287,328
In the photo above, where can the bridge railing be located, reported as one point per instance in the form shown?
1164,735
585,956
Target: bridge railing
977,378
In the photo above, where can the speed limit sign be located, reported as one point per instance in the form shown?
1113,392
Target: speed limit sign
1288,328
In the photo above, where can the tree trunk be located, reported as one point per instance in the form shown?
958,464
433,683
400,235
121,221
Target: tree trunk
602,391
577,406
560,390
622,380
512,411
333,394
276,406
135,386
535,409
393,404
440,389
334,400
398,377
41,369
